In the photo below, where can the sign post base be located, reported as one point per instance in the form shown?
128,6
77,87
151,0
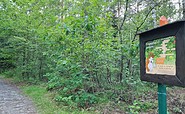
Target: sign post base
162,102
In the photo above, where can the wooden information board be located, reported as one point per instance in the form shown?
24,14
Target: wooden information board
162,54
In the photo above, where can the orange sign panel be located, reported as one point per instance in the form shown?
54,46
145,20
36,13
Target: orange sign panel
160,60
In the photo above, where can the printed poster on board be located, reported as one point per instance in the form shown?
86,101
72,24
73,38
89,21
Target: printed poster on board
160,56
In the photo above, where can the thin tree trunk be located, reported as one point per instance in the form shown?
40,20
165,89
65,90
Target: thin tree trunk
23,64
179,2
183,4
121,41
40,69
62,5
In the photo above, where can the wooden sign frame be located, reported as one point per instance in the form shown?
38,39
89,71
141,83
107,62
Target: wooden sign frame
176,29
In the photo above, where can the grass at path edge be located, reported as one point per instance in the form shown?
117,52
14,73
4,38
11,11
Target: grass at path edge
43,101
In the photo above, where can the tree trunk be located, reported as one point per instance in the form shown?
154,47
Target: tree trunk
183,4
40,69
179,2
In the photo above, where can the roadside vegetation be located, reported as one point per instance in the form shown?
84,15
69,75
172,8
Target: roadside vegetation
45,103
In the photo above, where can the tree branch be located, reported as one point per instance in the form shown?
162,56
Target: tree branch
137,28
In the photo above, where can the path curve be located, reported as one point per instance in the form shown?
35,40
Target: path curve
12,101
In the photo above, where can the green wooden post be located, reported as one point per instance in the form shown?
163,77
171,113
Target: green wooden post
162,102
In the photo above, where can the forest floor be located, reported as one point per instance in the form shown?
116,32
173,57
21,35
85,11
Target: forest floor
176,100
12,101
148,103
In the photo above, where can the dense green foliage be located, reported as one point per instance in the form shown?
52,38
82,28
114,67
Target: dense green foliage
83,49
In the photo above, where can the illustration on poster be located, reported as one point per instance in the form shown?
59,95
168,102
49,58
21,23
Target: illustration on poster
161,56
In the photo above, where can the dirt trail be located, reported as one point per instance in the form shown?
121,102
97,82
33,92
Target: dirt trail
12,101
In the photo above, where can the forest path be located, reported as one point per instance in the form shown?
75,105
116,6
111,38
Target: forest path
12,101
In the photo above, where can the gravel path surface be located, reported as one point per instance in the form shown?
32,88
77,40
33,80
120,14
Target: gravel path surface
12,101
